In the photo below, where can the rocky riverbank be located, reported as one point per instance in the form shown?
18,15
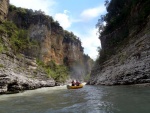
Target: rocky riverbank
11,82
18,73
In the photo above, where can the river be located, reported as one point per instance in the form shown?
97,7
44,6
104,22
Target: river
90,99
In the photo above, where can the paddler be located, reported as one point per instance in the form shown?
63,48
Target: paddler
73,83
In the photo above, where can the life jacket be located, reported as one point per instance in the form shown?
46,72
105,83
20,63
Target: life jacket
73,83
77,83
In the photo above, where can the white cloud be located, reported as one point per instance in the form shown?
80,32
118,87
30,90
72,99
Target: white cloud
91,13
44,5
90,42
63,19
66,11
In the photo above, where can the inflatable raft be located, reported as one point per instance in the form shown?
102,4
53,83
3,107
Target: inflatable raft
74,87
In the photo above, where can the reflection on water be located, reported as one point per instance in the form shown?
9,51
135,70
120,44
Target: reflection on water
90,99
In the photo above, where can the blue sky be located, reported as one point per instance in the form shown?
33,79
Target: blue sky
78,16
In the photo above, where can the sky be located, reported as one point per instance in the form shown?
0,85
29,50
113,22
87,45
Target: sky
77,16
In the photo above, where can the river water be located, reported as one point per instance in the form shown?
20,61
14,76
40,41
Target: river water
90,99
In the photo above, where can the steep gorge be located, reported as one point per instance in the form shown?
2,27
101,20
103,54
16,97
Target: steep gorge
54,43
36,52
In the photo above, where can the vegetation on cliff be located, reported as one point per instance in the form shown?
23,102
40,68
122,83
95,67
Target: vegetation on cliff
70,37
58,72
24,17
18,38
124,17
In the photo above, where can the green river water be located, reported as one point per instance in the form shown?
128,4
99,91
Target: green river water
90,99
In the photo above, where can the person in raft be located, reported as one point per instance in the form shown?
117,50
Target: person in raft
73,83
77,83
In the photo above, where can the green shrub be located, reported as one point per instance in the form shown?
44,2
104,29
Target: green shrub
1,48
40,63
51,65
87,77
50,72
61,73
123,17
19,39
58,72
1,65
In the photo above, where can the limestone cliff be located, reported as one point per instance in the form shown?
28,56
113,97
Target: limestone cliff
125,54
17,72
4,4
55,44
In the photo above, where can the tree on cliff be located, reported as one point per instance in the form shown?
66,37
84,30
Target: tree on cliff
121,16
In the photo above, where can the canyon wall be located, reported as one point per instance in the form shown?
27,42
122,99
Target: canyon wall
4,4
17,73
125,54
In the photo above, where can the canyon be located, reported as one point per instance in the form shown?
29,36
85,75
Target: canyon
35,51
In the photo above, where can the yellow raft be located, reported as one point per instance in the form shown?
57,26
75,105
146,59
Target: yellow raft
74,87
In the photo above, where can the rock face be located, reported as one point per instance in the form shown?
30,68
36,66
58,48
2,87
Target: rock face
19,73
11,82
4,4
55,44
130,66
50,36
125,54
50,43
